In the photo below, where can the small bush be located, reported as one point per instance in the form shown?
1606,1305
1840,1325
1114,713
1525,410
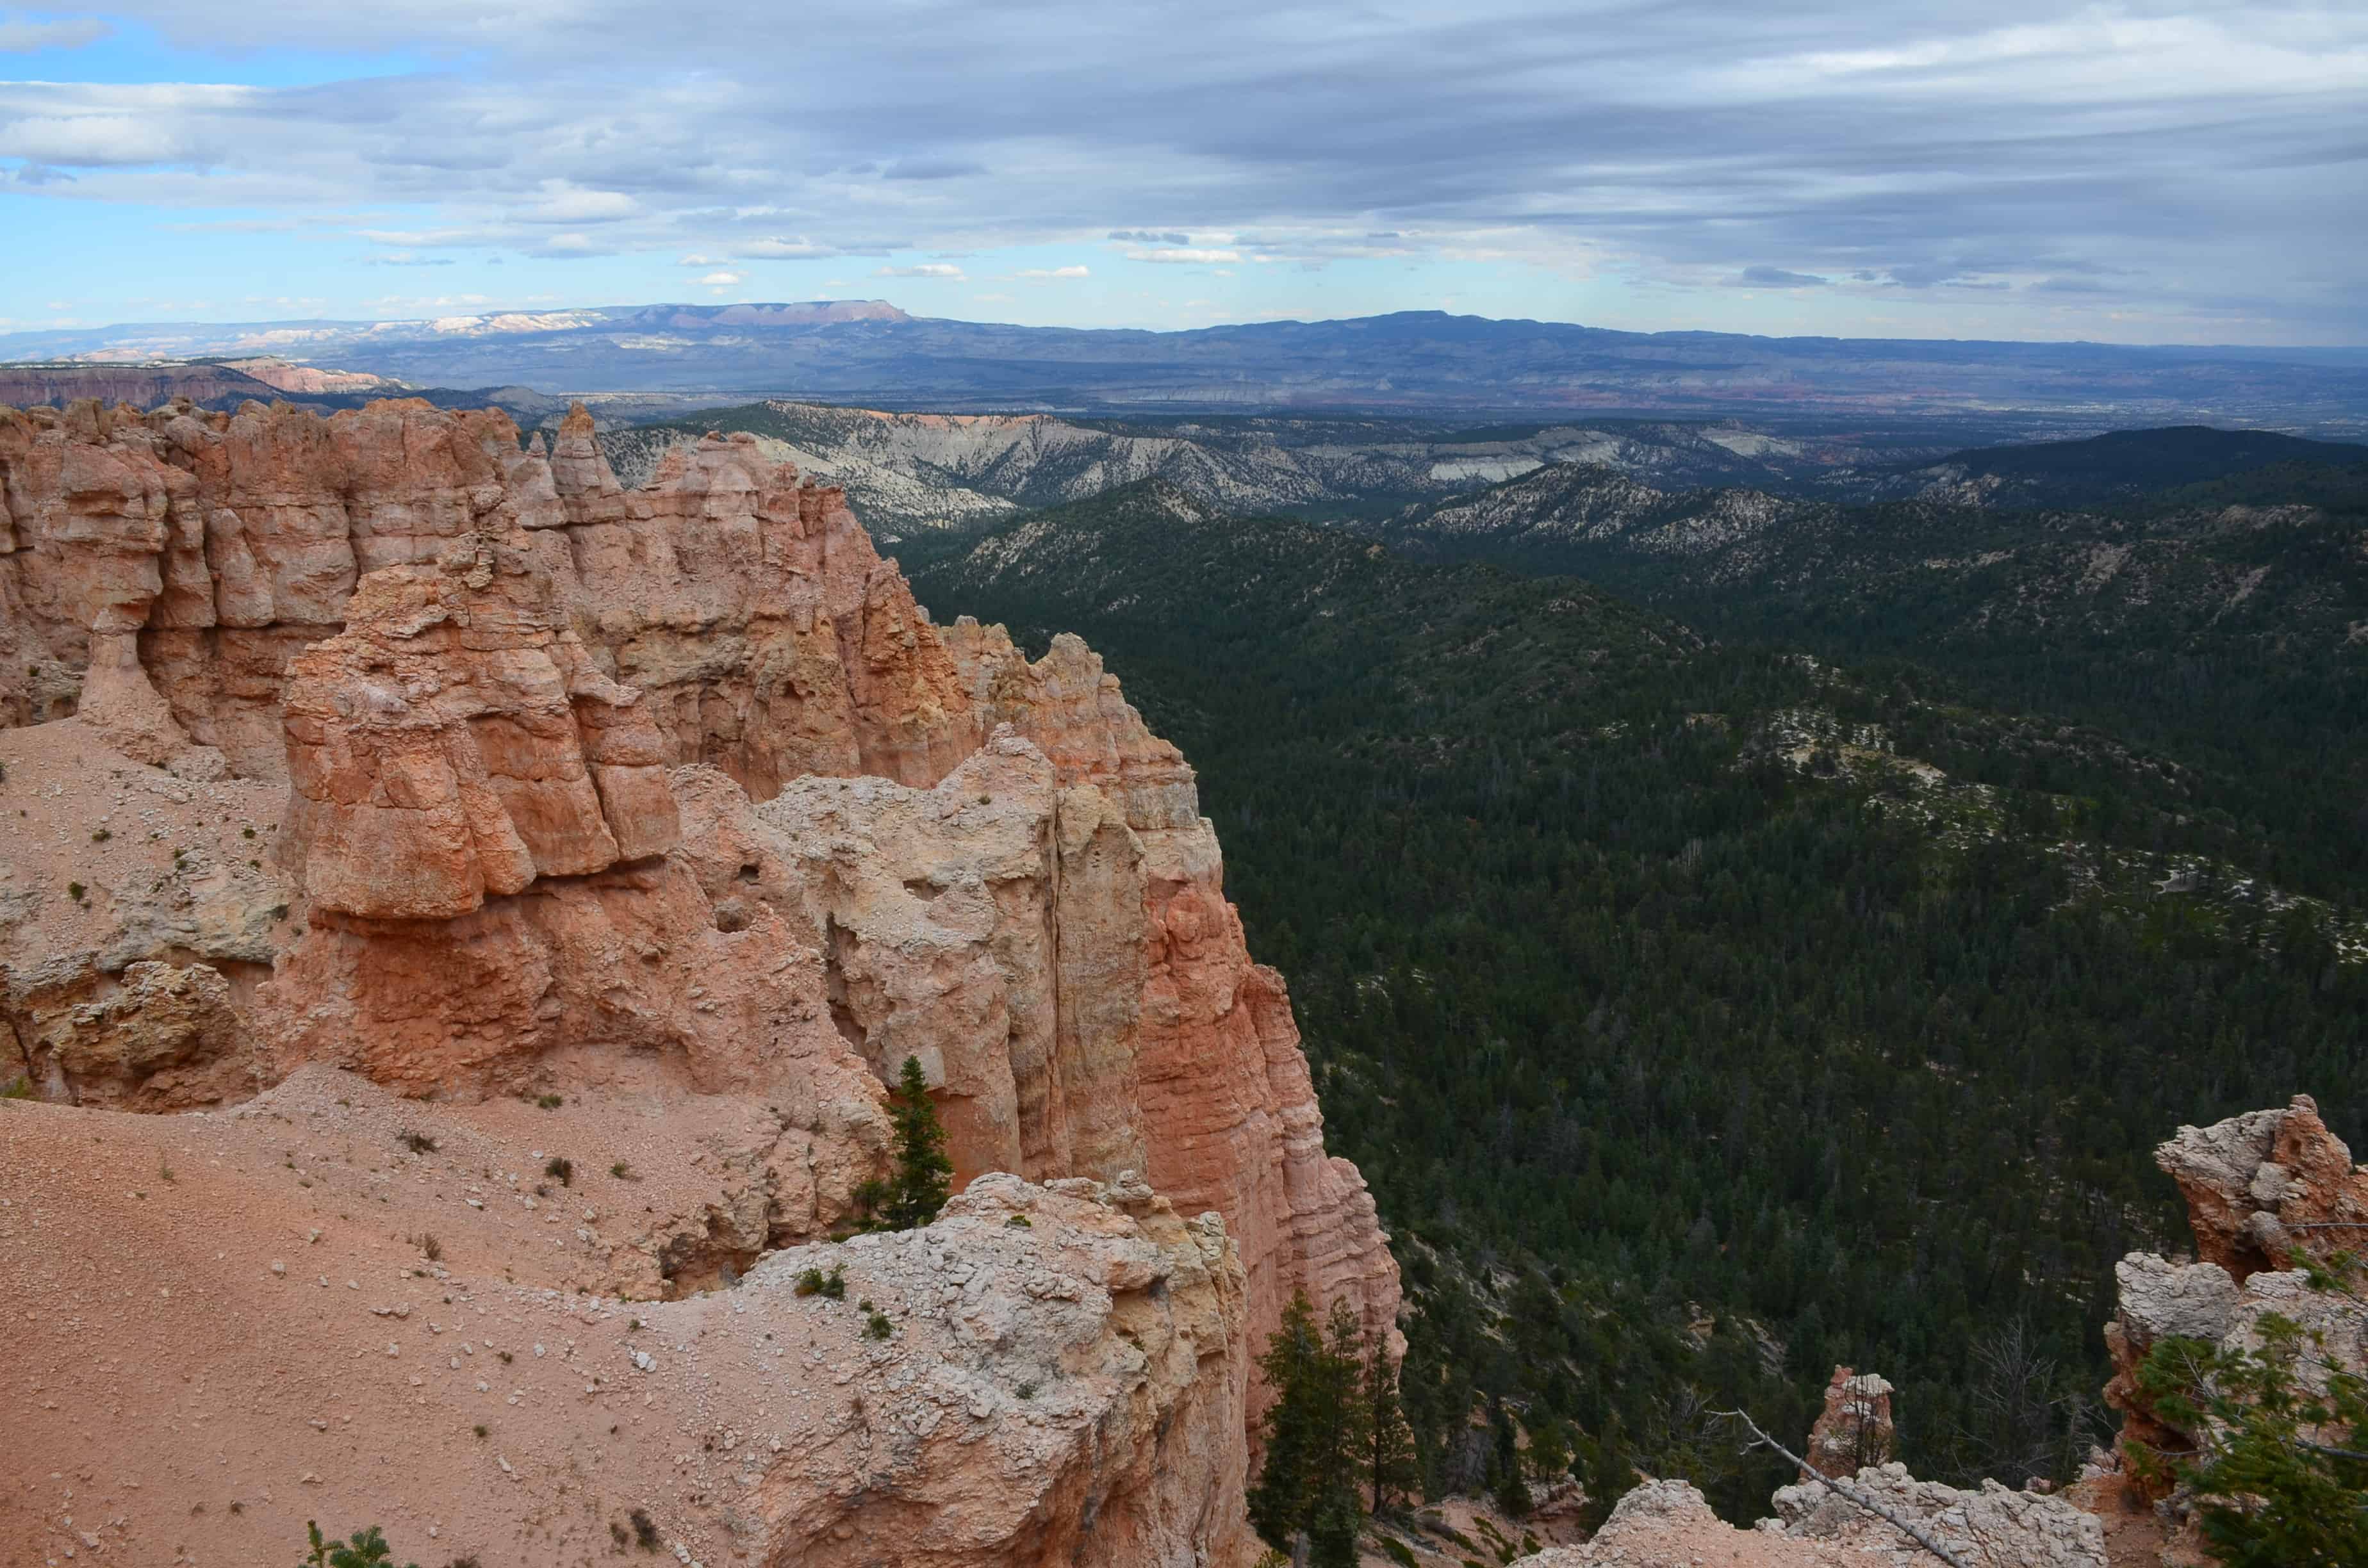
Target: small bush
1020,1223
1398,1552
831,1286
73,891
367,1549
417,1143
102,836
549,1102
247,833
505,1356
622,1172
645,1531
480,1429
562,1168
877,1327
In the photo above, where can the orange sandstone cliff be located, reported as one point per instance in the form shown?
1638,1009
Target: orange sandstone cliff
387,747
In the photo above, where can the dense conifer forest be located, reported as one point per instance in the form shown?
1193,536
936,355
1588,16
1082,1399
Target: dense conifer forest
1708,1013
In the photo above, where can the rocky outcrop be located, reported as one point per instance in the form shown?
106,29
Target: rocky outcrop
2260,1184
666,789
1854,1429
457,744
1669,1522
768,637
2260,1188
1990,1524
160,1039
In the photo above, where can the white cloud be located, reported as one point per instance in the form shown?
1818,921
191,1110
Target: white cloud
563,201
942,271
1183,255
723,279
2189,146
1051,272
24,37
778,249
88,141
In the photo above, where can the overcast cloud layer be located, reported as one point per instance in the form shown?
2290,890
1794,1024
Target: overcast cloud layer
2192,172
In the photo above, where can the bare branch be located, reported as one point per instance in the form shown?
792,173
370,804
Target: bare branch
1846,1494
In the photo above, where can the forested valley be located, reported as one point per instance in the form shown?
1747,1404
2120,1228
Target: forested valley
1708,1012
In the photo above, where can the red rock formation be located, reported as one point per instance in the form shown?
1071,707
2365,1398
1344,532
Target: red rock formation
1854,1429
471,660
2259,1187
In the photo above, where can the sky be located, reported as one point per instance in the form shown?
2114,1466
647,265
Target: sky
2171,173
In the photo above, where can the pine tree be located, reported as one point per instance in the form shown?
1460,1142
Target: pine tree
1332,1533
1278,1499
1512,1487
1389,1442
1316,1446
924,1176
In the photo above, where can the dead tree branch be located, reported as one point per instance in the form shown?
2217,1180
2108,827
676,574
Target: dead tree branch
1848,1495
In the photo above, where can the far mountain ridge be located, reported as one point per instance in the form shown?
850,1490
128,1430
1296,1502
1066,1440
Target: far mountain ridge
1413,361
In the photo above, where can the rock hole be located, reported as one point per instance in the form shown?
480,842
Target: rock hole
748,870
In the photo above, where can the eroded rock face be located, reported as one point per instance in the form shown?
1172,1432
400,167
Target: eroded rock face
1990,1524
1855,1429
675,790
456,743
1669,1522
2260,1186
750,608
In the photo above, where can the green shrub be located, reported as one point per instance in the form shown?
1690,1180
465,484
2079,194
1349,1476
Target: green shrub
2279,1474
366,1549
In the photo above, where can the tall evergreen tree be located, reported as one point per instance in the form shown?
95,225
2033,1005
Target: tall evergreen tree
1512,1487
1279,1498
924,1176
1316,1446
1388,1455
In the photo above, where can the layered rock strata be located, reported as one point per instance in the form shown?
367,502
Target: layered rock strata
522,713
